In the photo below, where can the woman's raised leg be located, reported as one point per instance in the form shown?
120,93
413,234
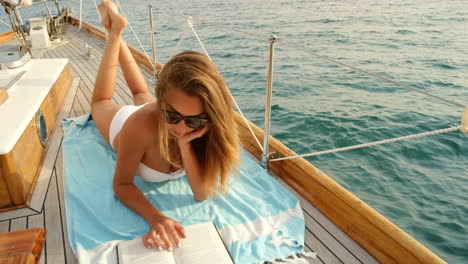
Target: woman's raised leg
102,108
133,76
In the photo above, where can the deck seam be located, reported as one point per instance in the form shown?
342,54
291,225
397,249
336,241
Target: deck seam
120,82
326,230
79,103
44,221
321,242
330,227
86,74
15,218
120,76
60,213
76,69
50,179
148,77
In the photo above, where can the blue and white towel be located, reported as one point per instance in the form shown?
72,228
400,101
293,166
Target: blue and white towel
259,220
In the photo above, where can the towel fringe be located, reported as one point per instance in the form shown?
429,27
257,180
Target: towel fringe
312,255
298,258
277,239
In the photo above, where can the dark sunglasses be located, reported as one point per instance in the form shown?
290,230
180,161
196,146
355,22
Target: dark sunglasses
192,122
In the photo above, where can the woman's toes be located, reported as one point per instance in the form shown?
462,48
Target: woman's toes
112,7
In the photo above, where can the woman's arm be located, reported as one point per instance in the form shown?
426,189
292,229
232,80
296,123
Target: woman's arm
192,164
132,73
132,141
131,149
107,72
193,171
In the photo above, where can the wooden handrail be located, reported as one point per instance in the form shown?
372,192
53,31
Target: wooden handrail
7,36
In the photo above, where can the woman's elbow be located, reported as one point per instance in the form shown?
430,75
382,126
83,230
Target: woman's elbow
201,198
119,190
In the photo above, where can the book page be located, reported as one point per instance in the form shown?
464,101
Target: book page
134,252
202,245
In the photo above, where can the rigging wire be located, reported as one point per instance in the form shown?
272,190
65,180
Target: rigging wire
215,25
369,73
182,37
190,19
430,133
198,38
3,22
97,11
136,36
100,19
323,57
190,25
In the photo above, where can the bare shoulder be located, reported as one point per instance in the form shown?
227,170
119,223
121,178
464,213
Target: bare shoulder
141,126
134,140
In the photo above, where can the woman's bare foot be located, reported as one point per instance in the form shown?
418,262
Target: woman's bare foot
104,8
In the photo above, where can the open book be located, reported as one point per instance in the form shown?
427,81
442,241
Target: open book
202,245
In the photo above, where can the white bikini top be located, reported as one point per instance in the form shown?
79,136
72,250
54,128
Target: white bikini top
151,175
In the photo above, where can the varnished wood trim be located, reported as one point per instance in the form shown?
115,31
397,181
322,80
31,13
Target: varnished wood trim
7,36
13,177
15,245
56,99
377,235
21,166
13,208
5,199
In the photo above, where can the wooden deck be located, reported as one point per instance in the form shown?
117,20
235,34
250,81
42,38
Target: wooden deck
330,243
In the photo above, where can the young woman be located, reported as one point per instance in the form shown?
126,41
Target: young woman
189,127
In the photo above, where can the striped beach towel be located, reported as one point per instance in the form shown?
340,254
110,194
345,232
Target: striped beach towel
259,220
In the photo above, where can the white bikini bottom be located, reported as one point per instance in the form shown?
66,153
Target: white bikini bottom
119,120
144,171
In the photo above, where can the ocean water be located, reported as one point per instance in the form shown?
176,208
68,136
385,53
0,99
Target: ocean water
421,185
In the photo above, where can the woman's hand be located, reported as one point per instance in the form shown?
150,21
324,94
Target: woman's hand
111,20
163,229
183,140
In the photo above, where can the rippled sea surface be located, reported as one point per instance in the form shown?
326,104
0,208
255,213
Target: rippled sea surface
421,185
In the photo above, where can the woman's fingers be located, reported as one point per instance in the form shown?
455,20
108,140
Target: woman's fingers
175,236
180,230
162,234
146,242
150,240
154,240
165,233
192,135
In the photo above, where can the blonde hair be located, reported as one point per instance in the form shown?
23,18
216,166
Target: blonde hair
218,149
